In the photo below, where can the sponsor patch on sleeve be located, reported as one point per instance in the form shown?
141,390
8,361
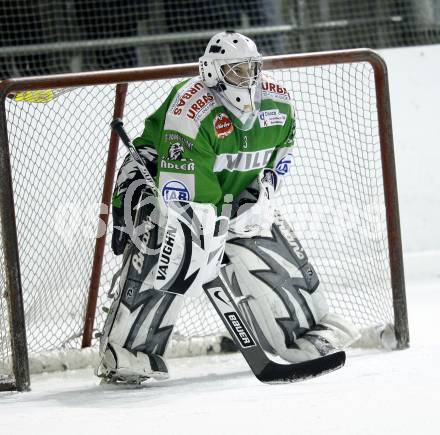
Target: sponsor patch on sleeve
174,165
274,90
268,118
176,187
180,102
283,166
178,139
175,159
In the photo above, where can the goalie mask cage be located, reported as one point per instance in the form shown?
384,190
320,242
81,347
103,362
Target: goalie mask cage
58,159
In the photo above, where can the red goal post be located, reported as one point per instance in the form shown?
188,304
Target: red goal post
32,88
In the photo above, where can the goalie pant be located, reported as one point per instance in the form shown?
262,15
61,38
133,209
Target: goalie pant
269,273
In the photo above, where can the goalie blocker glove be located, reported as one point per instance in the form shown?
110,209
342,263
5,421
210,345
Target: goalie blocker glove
126,195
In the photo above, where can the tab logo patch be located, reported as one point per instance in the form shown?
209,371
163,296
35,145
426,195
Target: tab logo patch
175,191
268,118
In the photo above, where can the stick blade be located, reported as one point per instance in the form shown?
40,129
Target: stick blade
275,373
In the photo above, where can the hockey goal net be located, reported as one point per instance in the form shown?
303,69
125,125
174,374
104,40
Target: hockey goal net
58,161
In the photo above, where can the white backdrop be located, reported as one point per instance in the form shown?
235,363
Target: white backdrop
414,75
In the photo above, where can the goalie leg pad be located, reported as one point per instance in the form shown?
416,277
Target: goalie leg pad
279,293
140,320
158,270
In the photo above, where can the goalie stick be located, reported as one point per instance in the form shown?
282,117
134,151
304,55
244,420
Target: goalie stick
265,369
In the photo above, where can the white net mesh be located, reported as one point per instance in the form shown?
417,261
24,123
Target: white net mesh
333,197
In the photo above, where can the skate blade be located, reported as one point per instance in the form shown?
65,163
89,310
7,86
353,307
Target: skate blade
115,379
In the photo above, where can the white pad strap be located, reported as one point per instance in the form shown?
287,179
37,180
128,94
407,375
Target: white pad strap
192,248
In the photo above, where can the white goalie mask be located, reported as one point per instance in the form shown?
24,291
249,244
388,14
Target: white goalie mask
232,65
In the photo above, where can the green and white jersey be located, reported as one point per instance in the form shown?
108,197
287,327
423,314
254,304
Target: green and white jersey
203,155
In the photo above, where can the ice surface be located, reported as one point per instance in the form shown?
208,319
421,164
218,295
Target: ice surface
375,393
